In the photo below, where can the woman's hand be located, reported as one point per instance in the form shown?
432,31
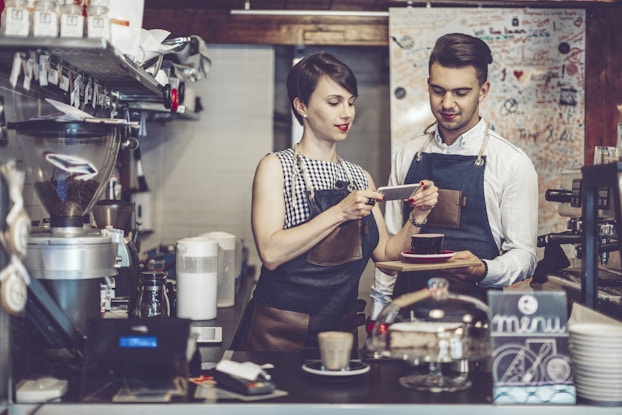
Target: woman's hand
358,204
424,200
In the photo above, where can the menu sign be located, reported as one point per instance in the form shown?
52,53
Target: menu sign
531,358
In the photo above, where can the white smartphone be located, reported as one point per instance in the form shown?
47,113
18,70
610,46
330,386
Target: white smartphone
401,192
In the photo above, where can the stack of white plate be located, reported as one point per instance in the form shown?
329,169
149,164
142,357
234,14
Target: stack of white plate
596,353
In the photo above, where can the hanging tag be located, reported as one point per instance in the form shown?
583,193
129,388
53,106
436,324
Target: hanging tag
28,68
104,99
107,100
75,91
95,95
44,64
63,81
53,74
88,90
16,69
35,66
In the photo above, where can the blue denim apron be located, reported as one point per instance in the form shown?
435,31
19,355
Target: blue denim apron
325,295
465,173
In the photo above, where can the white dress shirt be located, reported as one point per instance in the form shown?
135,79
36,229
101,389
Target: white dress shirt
511,193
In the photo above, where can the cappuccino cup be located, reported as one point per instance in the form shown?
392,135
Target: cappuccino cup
427,243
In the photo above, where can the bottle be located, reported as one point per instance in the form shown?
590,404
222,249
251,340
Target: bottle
98,21
16,18
71,19
45,18
152,300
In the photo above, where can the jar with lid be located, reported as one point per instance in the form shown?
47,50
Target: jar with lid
15,18
97,20
45,18
196,270
71,18
433,326
152,298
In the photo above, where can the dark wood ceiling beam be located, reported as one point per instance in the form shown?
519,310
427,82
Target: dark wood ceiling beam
222,27
358,5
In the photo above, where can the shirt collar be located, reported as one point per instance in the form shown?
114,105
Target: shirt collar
473,136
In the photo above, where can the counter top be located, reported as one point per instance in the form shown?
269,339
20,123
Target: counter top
374,392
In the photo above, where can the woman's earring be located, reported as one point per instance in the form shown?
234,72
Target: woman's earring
304,116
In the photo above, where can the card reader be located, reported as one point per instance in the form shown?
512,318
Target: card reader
242,386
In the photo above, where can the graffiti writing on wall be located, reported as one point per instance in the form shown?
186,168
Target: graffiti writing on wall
537,78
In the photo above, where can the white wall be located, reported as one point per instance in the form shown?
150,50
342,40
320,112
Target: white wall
201,172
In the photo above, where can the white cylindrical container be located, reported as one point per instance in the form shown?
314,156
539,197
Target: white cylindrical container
97,19
226,276
71,19
197,278
15,18
45,18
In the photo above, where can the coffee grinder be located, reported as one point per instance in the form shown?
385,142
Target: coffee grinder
69,164
114,215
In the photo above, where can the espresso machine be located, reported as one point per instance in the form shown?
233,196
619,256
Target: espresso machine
602,240
68,164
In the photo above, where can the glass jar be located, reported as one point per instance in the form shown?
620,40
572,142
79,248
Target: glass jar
71,19
98,21
152,298
45,18
430,327
15,18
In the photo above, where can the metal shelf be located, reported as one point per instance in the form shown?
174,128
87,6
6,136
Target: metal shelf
93,57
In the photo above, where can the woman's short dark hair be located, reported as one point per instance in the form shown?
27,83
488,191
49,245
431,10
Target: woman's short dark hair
457,50
305,75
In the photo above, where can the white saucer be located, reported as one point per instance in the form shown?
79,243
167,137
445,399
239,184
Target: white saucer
443,256
594,331
356,368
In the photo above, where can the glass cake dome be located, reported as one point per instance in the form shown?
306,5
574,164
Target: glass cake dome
433,326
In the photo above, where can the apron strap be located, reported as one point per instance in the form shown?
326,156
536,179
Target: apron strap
423,147
307,180
479,161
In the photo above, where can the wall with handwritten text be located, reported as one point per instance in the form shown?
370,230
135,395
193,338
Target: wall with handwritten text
537,82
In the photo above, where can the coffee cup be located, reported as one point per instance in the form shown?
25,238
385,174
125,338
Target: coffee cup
426,243
335,349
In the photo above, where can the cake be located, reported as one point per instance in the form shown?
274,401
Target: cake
434,339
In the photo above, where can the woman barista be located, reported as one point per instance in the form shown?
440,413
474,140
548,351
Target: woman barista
314,218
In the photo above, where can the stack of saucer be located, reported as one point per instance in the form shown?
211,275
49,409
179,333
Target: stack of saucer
596,352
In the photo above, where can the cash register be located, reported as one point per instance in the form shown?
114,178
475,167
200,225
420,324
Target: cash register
142,360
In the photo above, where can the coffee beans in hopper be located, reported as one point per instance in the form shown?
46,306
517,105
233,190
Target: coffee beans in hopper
66,197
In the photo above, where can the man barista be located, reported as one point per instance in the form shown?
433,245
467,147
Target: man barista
489,181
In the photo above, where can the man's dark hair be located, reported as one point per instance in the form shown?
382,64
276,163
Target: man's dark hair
457,50
305,75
